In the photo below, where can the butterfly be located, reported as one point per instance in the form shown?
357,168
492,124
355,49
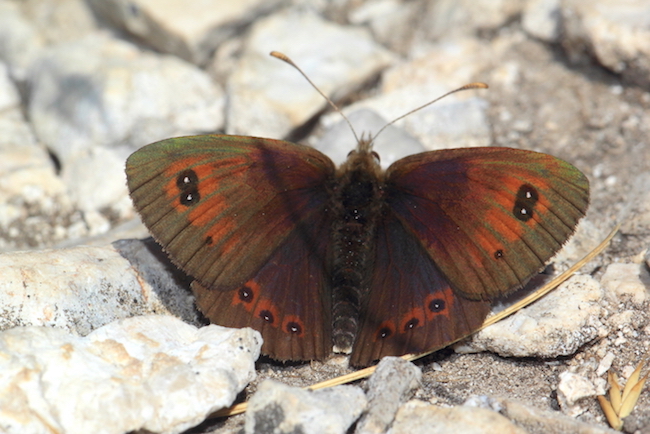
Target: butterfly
353,259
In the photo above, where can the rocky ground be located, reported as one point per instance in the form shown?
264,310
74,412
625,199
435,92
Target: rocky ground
85,84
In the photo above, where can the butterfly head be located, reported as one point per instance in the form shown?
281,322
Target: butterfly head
363,157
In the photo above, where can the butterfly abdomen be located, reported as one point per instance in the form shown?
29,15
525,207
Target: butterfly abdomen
356,206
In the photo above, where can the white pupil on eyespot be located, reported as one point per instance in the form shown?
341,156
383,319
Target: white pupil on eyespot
528,195
186,180
189,197
523,211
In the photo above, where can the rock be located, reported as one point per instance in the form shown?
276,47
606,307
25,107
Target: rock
417,417
626,282
20,41
279,408
191,31
95,100
388,388
541,19
34,206
614,33
556,325
60,21
152,373
268,98
448,18
573,388
458,120
79,290
537,421
391,21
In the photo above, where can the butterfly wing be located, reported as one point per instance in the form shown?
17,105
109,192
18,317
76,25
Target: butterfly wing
287,300
489,218
236,213
410,307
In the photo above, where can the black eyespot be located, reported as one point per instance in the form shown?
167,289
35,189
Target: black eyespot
267,316
246,294
411,324
437,305
294,328
498,254
209,240
384,333
188,183
525,202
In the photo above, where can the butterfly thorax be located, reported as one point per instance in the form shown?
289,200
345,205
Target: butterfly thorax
356,206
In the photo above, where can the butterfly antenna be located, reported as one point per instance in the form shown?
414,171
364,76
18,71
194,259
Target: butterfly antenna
476,85
286,59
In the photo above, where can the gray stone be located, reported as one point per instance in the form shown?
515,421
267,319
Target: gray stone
279,408
388,388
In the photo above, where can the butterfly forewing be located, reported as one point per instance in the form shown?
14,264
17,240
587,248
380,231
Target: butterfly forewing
206,197
488,217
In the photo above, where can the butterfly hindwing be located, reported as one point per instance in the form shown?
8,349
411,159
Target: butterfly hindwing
410,307
489,217
288,300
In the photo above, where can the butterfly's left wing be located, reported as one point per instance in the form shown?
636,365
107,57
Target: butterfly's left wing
248,219
489,218
410,307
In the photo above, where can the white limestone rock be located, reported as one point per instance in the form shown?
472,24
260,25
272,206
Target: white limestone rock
80,289
557,325
458,120
152,373
627,281
95,100
417,417
189,30
615,33
268,98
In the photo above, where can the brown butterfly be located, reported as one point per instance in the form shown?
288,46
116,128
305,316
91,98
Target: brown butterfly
357,259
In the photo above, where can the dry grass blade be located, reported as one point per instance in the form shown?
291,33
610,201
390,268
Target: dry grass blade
615,397
629,400
612,418
621,404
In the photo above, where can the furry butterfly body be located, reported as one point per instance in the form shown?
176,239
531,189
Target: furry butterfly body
357,259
